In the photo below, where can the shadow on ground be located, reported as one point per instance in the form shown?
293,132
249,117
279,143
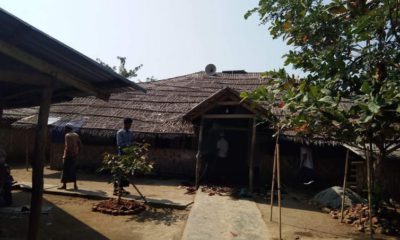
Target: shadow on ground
165,216
57,224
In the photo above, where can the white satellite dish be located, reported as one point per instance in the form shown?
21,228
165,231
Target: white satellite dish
211,69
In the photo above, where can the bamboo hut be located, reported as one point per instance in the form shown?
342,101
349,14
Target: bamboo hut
169,116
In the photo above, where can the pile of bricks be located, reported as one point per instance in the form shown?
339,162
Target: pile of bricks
385,221
213,190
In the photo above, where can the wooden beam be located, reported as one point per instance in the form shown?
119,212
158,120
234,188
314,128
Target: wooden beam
38,164
228,103
26,78
228,116
21,94
50,69
251,156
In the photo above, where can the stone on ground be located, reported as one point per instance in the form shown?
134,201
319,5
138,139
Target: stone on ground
332,197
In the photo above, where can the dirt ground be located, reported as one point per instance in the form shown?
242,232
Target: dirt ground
302,221
167,190
71,217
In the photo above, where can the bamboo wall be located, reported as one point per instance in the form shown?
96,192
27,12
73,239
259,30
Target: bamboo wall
167,162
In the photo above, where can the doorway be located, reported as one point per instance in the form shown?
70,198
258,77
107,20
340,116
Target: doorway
232,168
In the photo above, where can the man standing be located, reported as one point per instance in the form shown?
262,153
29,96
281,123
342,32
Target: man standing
71,150
124,139
222,153
307,173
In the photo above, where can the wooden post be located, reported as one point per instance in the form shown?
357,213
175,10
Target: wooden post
346,166
273,185
199,153
38,164
26,153
273,179
278,168
368,157
251,156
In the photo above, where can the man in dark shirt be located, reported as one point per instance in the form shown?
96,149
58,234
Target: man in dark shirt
124,139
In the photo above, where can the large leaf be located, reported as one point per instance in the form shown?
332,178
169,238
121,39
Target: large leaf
373,107
327,99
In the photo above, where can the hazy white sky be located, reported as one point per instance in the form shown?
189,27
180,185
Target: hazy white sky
169,37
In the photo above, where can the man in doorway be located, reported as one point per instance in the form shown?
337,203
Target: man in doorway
222,151
72,148
124,139
307,174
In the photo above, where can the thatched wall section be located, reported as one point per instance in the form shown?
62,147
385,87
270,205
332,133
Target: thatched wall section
328,163
167,162
18,143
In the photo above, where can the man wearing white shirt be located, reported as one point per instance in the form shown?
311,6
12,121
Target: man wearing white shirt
306,166
221,155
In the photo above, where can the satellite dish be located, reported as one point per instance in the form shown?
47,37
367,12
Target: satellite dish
211,69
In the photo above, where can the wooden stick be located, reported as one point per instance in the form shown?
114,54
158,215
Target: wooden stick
278,167
273,183
199,153
346,166
141,195
368,156
26,153
251,156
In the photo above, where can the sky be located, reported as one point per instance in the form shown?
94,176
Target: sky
169,37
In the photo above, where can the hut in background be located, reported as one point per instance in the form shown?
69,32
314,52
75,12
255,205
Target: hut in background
169,117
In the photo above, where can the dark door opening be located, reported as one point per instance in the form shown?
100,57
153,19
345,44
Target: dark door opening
226,163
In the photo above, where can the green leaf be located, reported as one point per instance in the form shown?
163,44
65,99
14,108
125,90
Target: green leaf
368,118
365,88
373,107
398,108
327,99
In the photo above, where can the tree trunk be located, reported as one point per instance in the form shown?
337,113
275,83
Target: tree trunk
119,190
378,176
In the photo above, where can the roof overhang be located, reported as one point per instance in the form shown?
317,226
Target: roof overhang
31,60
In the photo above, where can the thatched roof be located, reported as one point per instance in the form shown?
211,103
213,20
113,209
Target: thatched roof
160,110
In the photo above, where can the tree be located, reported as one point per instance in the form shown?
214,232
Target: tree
134,160
350,53
121,69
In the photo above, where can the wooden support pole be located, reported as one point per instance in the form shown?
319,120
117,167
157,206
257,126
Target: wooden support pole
368,157
38,164
278,168
273,181
26,152
199,153
251,156
346,166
